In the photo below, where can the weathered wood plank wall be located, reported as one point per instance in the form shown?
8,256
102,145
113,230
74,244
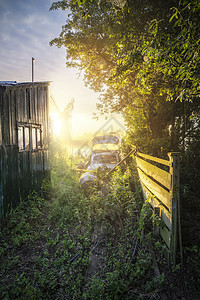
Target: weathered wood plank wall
24,138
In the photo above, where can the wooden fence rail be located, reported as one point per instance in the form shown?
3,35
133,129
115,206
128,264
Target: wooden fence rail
160,184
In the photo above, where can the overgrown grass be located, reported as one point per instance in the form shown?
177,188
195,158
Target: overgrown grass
63,245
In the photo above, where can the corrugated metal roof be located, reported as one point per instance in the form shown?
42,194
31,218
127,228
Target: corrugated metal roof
5,83
14,83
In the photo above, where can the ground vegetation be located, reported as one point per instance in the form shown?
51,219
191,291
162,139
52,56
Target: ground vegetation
60,244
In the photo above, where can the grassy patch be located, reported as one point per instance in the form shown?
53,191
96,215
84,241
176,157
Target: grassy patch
63,245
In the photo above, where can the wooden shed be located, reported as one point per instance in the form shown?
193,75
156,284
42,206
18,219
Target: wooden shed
24,139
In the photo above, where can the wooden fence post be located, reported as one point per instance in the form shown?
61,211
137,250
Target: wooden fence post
174,158
1,184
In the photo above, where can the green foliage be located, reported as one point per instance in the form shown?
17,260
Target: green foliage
56,235
148,65
145,217
22,218
50,242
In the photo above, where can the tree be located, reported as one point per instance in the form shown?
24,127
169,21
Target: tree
145,60
132,55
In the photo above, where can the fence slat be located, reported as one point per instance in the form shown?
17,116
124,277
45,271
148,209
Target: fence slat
175,200
156,159
165,202
156,173
157,190
165,234
165,214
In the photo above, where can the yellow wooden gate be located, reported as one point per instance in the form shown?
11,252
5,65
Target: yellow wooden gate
160,184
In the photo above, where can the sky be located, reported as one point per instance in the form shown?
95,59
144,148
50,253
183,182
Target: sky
27,27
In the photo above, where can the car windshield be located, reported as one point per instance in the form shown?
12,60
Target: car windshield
105,159
105,147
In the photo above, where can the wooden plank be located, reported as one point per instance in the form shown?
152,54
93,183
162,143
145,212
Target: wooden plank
174,170
158,191
165,234
1,109
35,106
152,158
166,218
156,173
28,103
165,213
1,183
14,129
9,182
5,119
10,117
167,254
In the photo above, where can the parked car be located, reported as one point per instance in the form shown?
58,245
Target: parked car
104,156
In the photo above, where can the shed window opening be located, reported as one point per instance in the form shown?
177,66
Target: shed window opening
21,138
39,138
34,139
27,138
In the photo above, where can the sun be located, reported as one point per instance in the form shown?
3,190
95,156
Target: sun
55,123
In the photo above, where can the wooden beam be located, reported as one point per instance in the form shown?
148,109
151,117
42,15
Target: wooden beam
155,202
152,158
162,194
156,173
165,234
175,200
